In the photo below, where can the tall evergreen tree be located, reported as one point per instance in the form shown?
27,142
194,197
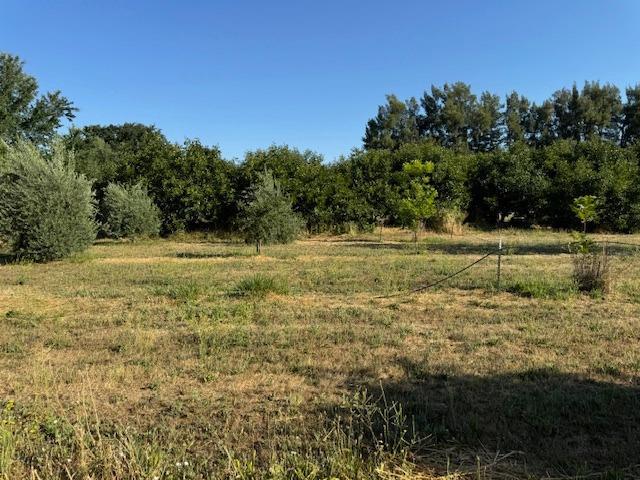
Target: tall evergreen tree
517,119
395,124
631,118
600,110
568,113
486,118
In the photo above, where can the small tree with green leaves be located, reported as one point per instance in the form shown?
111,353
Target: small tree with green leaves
419,201
266,215
590,265
46,208
129,212
586,209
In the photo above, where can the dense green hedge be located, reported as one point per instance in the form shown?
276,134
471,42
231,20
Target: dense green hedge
195,188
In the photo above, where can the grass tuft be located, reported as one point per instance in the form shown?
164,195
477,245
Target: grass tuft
259,286
541,288
184,291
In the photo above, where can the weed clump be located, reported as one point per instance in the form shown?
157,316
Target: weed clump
259,286
185,291
590,266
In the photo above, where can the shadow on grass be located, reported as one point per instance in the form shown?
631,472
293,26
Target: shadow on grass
456,247
560,424
7,258
196,255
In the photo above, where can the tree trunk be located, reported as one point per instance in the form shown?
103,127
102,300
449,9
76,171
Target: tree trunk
258,247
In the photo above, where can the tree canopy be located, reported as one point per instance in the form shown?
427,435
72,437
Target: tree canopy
266,213
490,157
453,116
24,114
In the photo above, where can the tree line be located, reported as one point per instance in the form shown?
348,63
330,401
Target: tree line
455,117
197,189
451,154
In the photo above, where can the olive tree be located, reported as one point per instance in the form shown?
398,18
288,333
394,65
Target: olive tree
129,212
46,208
266,215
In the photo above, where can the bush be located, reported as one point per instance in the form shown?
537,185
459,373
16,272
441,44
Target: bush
129,212
46,209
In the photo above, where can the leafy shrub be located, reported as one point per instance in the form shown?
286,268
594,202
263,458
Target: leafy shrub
129,212
259,286
46,209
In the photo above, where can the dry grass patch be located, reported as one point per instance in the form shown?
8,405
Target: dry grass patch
138,349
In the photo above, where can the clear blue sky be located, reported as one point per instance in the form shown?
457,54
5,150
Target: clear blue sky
244,75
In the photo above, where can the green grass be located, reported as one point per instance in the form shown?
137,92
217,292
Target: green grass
540,287
259,286
134,361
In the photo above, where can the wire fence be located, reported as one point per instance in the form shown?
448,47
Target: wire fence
499,252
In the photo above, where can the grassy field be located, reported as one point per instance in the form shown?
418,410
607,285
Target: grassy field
195,358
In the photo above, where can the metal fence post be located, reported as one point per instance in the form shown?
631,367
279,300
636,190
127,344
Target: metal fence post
499,262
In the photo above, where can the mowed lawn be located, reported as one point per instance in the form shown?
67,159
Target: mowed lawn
164,359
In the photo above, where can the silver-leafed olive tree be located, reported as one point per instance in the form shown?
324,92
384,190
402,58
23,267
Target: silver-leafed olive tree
266,215
46,208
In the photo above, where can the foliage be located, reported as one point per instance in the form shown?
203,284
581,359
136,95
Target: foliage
493,158
510,183
194,188
191,183
395,124
302,176
586,209
455,117
23,114
590,264
531,178
266,215
129,212
46,209
418,204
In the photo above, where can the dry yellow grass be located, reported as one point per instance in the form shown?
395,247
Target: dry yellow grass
149,338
